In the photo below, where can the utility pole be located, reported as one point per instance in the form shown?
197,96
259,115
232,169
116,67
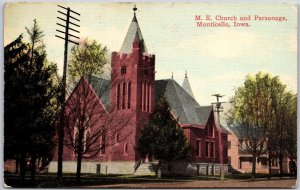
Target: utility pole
218,109
67,39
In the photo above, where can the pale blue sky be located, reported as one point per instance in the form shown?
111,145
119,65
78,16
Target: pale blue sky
216,59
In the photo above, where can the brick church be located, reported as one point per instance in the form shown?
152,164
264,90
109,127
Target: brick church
121,107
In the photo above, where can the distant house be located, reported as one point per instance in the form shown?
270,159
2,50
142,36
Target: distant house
131,93
241,160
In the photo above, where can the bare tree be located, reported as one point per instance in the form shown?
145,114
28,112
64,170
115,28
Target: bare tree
90,127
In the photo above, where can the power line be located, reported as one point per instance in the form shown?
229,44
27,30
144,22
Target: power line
218,109
67,38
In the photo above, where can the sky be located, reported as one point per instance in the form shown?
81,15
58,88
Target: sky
216,59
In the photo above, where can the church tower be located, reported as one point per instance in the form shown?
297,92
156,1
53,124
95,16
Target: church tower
186,85
132,87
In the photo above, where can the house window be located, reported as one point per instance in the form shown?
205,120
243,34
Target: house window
274,162
118,96
240,163
198,148
212,149
123,70
123,96
207,149
229,145
129,95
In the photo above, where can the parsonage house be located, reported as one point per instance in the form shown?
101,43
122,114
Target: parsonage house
240,159
124,104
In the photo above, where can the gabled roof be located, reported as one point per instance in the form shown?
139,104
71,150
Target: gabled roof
245,131
133,33
102,88
183,105
186,86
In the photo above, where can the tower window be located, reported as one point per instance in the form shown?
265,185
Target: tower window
148,96
129,95
123,96
123,70
118,96
145,95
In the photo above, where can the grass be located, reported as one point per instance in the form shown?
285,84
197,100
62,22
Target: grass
49,180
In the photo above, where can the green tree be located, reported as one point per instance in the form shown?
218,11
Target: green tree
30,99
87,59
260,107
163,138
15,54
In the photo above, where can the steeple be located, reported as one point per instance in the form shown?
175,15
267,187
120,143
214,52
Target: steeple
186,85
133,33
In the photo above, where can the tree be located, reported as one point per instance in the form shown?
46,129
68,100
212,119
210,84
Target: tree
90,128
260,108
30,99
163,138
283,129
88,59
15,54
87,122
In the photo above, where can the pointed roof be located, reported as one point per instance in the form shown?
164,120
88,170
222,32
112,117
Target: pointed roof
133,33
186,85
183,106
101,87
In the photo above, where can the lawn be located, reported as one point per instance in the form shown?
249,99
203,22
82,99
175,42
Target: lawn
50,181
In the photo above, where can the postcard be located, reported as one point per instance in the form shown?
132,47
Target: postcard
150,95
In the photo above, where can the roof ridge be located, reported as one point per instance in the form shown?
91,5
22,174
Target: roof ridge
179,97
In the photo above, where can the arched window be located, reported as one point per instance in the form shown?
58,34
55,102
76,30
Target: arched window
87,140
129,95
117,138
76,141
103,141
125,148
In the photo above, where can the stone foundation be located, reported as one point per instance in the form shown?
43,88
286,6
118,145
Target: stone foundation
193,169
175,168
95,167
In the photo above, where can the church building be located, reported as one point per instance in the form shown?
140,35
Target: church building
122,105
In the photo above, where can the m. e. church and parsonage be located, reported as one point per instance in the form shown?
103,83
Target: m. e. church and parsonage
132,92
